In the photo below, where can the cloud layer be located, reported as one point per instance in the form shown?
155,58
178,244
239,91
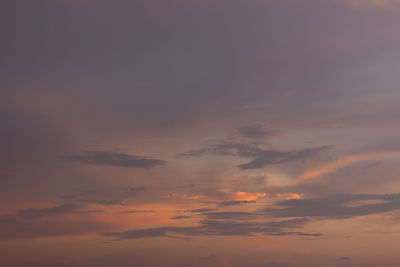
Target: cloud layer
116,159
259,157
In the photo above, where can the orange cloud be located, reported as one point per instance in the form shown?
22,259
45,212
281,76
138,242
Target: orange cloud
243,196
290,196
333,166
185,196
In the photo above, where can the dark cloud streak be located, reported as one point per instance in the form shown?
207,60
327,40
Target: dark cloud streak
219,228
257,131
116,159
235,203
337,206
56,210
260,157
137,211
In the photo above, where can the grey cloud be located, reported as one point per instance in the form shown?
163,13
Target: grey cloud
136,190
297,233
373,164
235,203
337,206
56,210
104,202
201,210
45,222
137,211
116,159
238,215
24,216
257,131
343,258
207,258
107,260
260,157
218,228
234,223
180,217
48,228
274,264
80,193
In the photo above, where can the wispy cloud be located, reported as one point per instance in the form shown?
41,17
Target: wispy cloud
260,157
201,210
257,131
342,162
55,210
103,202
134,190
235,203
337,206
116,159
343,258
137,211
218,228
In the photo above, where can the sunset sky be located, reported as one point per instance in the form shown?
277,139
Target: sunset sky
199,133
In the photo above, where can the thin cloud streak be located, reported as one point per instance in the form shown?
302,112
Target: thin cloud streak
342,162
257,131
116,159
259,156
219,228
336,207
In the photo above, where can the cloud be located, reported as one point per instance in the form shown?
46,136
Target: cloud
217,227
52,228
180,217
235,203
101,260
136,190
342,162
116,159
104,202
21,216
257,131
201,210
343,258
296,233
185,196
56,210
290,195
274,264
373,164
260,157
337,206
237,215
137,211
46,222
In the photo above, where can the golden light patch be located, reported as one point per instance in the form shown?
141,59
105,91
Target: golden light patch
243,196
185,196
290,196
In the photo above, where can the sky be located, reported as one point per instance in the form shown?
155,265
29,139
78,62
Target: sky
189,133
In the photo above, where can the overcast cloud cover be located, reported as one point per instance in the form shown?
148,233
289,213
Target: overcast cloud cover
199,133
